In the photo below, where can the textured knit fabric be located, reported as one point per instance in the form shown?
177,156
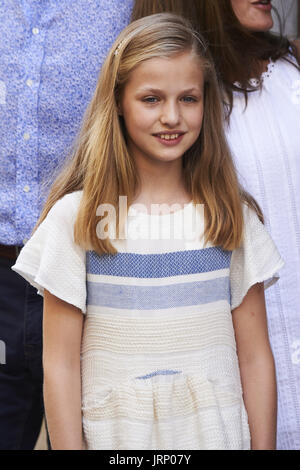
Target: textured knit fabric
265,139
159,361
51,53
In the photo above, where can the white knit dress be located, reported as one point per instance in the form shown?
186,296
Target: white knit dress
159,362
265,140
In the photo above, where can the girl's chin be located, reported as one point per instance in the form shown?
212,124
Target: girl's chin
166,160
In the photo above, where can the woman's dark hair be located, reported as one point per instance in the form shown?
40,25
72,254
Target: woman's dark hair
237,52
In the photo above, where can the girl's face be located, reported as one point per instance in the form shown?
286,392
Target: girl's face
253,15
162,107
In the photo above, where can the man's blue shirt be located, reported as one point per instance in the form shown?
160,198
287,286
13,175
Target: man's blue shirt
51,54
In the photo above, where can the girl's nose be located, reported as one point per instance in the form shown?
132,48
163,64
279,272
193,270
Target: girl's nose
170,115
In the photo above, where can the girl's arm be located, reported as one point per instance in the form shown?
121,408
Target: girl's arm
257,368
62,331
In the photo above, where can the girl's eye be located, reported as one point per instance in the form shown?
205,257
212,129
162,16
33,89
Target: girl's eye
189,99
150,99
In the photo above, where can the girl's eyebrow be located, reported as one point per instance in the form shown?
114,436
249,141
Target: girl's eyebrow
157,90
149,90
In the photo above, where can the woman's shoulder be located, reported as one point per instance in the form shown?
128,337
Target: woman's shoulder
282,70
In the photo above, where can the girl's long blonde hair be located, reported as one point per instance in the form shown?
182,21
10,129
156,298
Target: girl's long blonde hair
101,165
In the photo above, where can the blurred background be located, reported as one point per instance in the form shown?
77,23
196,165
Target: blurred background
289,11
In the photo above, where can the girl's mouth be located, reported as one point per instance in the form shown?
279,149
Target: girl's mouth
169,138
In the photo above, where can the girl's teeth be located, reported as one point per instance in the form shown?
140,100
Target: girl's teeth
169,136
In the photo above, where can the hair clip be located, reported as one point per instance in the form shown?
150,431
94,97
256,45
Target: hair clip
119,47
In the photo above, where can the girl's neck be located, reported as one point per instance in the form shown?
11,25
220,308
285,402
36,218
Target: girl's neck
161,184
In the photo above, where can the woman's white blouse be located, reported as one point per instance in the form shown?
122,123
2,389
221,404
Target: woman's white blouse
265,140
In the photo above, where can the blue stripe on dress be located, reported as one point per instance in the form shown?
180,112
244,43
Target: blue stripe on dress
158,297
159,372
158,265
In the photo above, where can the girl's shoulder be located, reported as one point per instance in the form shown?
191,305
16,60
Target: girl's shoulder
257,260
67,206
250,216
51,259
255,233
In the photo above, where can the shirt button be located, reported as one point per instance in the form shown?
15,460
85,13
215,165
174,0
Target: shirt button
26,188
25,241
35,30
29,82
26,136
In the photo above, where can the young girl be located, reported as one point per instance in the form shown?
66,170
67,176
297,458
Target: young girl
153,339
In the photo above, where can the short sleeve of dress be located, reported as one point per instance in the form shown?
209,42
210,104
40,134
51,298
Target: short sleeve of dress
257,260
51,260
